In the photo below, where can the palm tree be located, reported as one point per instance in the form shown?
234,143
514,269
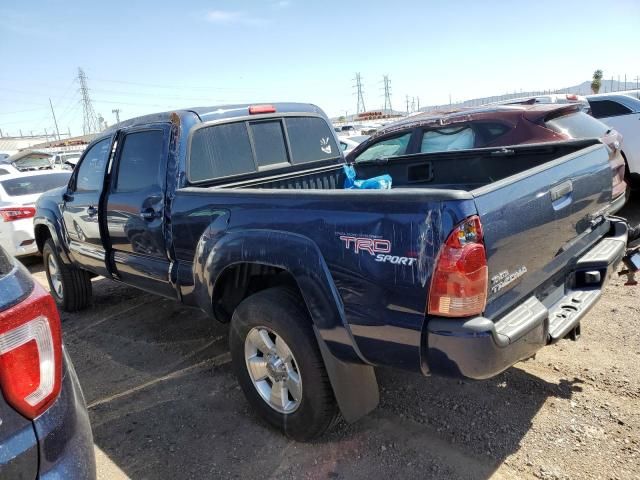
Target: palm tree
597,81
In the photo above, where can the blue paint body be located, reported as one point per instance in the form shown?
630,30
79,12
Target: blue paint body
366,311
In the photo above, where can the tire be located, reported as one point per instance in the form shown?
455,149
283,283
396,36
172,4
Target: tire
281,314
70,286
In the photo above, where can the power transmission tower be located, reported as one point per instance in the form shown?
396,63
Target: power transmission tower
387,93
117,112
359,93
89,118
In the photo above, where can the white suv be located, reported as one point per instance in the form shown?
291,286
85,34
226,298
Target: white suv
622,113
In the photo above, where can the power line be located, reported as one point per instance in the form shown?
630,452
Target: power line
55,122
89,119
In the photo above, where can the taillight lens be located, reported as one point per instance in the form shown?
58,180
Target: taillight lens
9,214
459,282
31,353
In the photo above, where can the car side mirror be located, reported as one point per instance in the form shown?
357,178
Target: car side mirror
67,196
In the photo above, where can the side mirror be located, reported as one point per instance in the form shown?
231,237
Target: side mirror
67,196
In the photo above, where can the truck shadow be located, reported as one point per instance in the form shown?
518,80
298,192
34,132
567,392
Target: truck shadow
164,404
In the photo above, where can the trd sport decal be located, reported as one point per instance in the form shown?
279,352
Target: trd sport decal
378,247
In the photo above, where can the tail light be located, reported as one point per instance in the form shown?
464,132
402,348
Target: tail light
31,353
459,282
9,214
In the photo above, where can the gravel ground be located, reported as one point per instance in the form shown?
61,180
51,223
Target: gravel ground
164,404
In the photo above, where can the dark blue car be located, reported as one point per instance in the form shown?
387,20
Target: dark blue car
44,424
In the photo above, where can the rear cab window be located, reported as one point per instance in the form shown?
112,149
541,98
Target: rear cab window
245,147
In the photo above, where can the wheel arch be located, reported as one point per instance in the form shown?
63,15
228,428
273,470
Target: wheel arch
46,226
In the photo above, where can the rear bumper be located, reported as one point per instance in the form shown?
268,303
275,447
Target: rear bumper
17,237
479,348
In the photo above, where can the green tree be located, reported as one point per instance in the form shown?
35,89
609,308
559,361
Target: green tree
596,82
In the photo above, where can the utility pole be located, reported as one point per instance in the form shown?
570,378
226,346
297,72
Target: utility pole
625,81
418,103
387,93
55,122
69,131
117,112
89,119
637,79
359,93
407,103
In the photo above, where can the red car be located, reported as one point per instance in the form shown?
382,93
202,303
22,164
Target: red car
494,127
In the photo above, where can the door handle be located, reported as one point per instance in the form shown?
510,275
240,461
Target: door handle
560,191
149,214
92,211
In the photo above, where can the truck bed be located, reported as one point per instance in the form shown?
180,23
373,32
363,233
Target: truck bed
458,170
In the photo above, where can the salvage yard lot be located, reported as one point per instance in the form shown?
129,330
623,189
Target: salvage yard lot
164,403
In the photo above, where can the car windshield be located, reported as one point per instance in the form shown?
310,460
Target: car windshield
33,184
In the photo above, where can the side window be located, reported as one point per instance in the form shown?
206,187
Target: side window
311,140
388,147
91,171
140,160
220,151
447,139
268,142
607,108
488,132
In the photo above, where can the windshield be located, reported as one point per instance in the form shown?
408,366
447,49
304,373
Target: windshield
33,184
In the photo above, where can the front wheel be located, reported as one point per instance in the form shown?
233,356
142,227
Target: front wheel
279,366
69,286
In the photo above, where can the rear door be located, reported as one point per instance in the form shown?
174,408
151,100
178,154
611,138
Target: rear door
538,222
134,209
80,208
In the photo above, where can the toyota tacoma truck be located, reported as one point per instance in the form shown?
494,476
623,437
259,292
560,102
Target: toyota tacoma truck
472,261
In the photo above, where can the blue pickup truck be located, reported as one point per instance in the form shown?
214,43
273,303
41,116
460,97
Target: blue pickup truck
471,262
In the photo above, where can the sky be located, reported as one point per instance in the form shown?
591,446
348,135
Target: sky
148,56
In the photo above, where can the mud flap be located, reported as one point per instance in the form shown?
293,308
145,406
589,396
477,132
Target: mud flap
354,385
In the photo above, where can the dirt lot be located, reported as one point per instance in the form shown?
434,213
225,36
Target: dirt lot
164,404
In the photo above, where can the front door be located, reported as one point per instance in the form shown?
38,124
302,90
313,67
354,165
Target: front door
80,209
135,209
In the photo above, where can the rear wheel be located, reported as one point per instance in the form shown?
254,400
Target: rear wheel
279,366
70,286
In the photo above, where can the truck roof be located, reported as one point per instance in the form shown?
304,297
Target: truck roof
206,114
